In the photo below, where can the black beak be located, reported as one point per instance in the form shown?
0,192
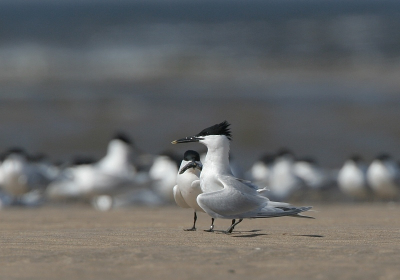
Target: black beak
187,140
192,164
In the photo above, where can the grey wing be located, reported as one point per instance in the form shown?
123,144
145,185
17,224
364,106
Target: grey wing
238,184
236,198
180,201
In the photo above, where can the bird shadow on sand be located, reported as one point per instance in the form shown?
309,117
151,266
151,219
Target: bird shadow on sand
309,235
253,233
250,233
261,234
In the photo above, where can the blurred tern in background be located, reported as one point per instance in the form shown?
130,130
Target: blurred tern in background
260,171
102,180
283,180
383,177
24,177
225,196
315,177
163,175
352,178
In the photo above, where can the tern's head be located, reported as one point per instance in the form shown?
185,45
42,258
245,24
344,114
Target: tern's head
356,158
191,159
383,157
120,145
18,154
211,135
191,155
123,138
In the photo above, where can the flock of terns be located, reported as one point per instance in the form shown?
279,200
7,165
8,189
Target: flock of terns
209,182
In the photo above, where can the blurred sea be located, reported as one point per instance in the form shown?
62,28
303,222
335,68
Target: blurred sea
320,77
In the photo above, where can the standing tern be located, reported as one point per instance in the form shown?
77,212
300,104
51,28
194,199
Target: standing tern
261,170
383,176
100,181
225,196
283,181
163,174
24,177
187,186
352,178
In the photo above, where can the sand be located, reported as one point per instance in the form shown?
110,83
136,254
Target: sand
360,241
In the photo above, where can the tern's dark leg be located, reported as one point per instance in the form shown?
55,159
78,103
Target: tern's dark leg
229,230
211,227
194,223
233,223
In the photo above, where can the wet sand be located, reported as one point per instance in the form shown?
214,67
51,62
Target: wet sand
58,242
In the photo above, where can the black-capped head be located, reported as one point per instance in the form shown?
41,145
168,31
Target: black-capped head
123,137
15,151
217,129
307,159
356,158
39,157
193,161
383,156
83,160
284,152
268,158
191,155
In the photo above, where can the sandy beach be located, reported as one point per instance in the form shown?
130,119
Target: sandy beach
360,241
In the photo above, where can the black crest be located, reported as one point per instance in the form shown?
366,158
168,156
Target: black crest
268,158
83,160
383,156
123,137
217,129
15,151
284,152
356,158
191,155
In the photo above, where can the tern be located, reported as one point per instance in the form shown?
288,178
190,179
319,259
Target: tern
225,196
311,173
163,174
283,181
23,176
187,186
383,176
261,170
99,181
352,178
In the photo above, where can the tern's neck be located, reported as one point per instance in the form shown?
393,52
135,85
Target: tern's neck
217,158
